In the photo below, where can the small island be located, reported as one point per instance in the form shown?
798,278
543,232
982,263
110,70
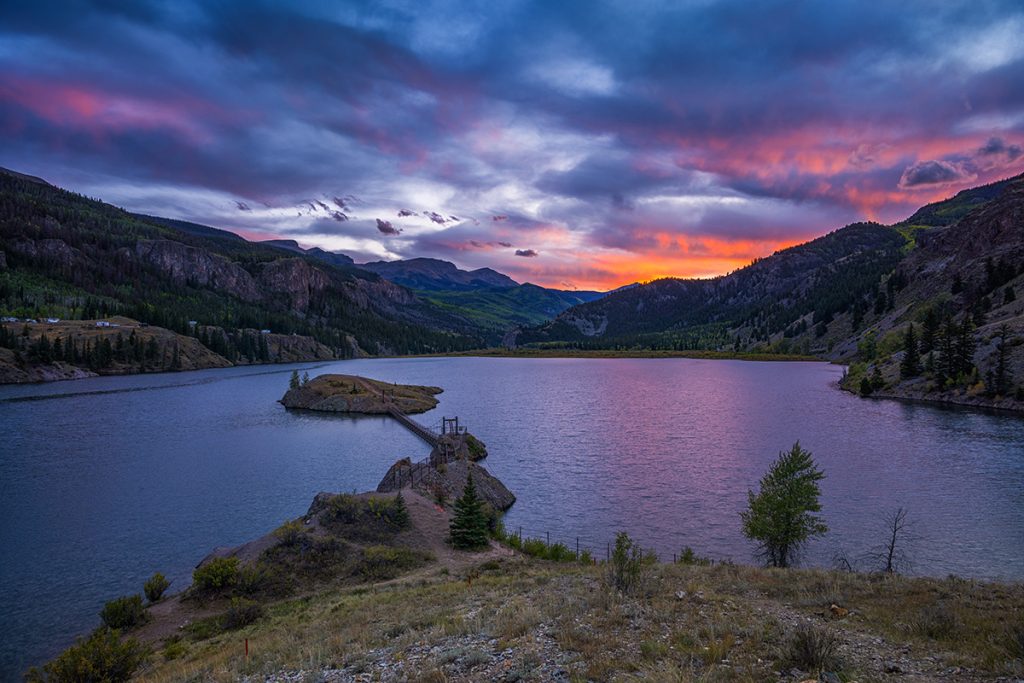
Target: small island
360,395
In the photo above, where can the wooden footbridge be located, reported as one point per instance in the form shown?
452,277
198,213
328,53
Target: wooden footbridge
415,427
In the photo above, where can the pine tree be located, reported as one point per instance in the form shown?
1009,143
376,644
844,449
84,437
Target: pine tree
1003,377
965,348
469,525
929,331
911,365
400,516
958,284
305,378
293,383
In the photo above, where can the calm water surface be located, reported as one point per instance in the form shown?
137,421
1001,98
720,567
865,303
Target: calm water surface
104,481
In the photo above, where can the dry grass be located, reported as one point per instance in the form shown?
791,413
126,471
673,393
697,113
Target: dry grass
729,623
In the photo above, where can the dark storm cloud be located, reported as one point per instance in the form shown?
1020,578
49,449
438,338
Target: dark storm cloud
385,227
596,115
933,173
998,147
528,253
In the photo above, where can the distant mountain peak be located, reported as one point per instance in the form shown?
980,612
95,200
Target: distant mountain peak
438,275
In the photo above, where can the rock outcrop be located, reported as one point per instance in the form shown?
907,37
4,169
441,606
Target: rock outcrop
446,481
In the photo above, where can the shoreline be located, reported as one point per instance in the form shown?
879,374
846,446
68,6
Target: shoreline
976,404
76,373
612,354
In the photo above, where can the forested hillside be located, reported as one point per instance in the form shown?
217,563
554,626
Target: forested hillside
66,256
746,308
953,271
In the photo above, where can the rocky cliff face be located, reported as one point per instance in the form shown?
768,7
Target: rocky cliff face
296,279
185,264
52,250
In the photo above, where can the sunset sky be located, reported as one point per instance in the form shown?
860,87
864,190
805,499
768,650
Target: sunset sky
570,144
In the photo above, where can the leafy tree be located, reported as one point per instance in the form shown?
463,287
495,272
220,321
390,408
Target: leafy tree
867,346
469,525
779,516
911,364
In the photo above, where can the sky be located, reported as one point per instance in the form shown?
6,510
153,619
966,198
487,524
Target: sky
578,145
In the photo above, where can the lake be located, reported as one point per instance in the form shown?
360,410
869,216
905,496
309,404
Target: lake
105,481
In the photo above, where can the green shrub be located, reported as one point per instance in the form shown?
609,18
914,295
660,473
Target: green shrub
586,557
174,648
935,621
290,533
626,566
124,612
558,552
101,657
242,612
252,579
476,448
535,547
218,573
156,585
343,508
689,557
380,562
204,629
812,648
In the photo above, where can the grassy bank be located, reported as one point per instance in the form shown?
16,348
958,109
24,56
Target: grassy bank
518,618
